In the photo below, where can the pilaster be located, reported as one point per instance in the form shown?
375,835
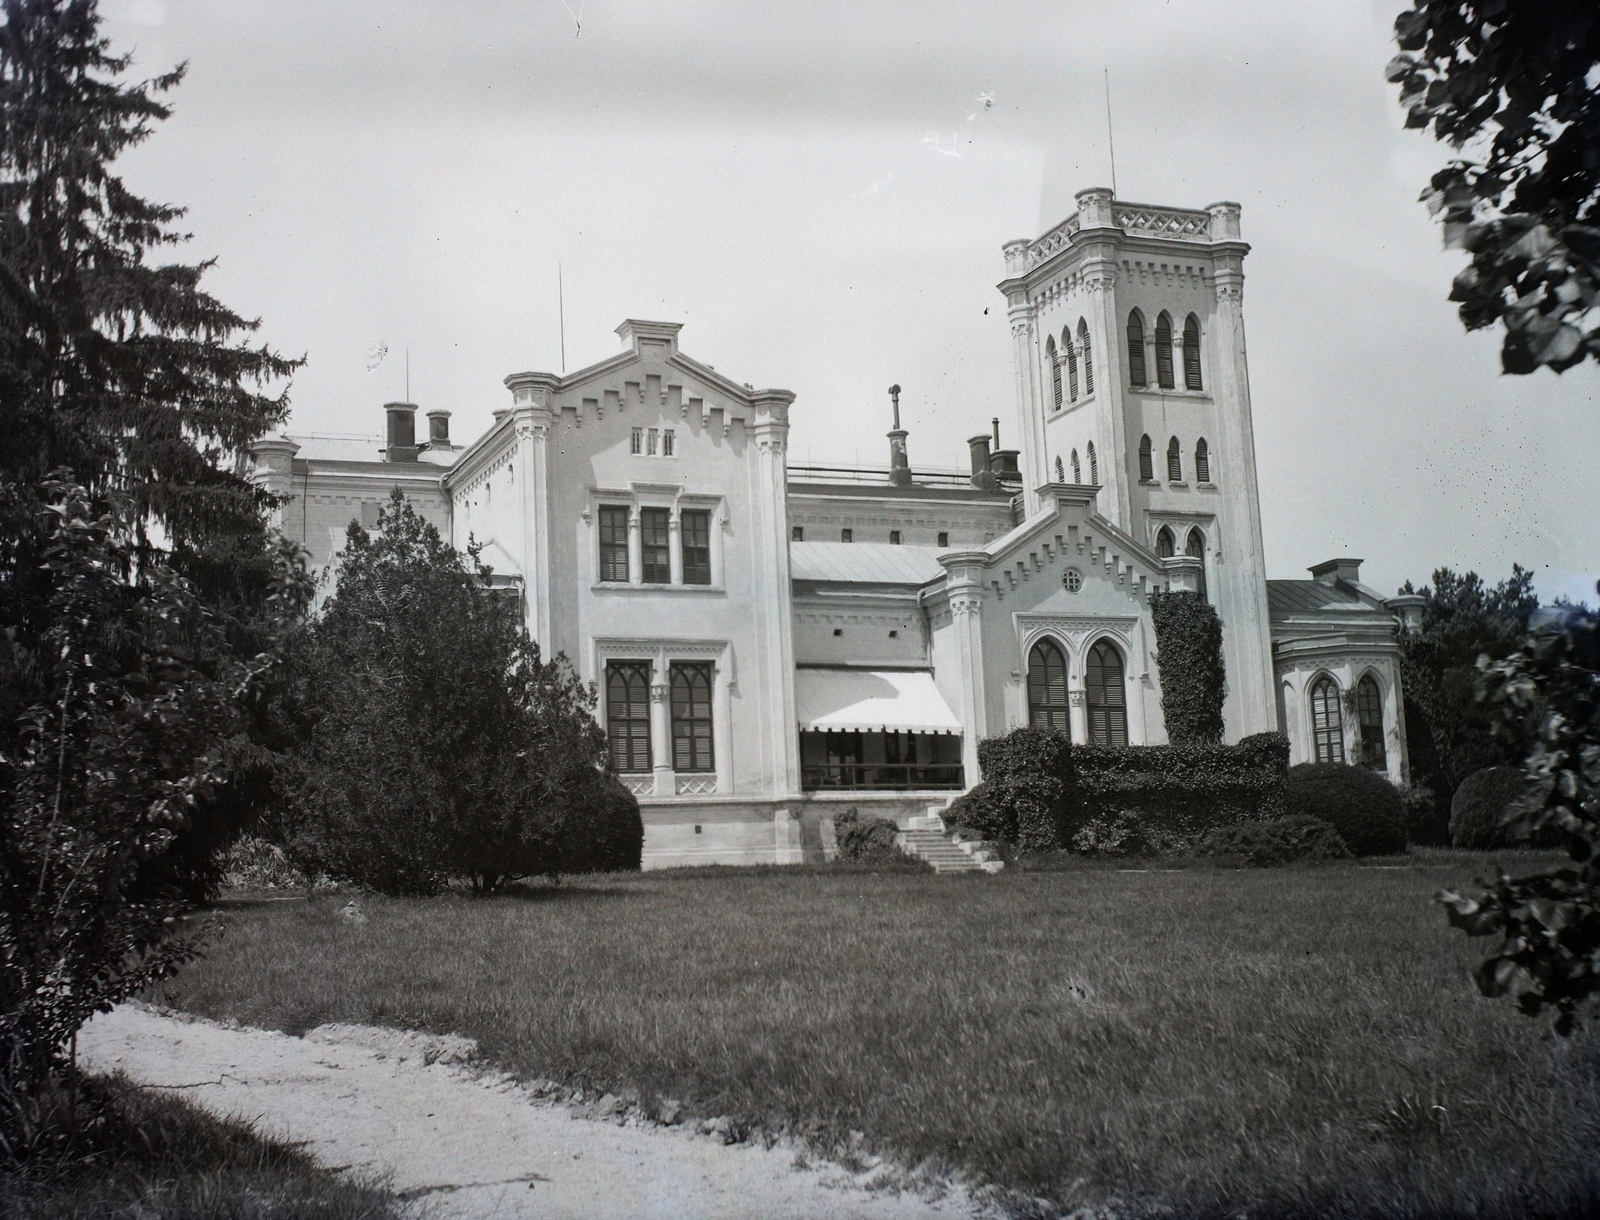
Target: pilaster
533,414
1025,364
661,728
772,600
966,598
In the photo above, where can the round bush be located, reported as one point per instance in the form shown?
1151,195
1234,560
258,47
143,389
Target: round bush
1279,841
1480,804
868,840
977,813
1361,805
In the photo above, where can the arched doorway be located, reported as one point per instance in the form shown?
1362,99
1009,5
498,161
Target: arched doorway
1107,696
1327,722
1047,688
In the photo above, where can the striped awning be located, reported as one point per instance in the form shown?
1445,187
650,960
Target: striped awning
871,701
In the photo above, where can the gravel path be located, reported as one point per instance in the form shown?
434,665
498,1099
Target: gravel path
474,1144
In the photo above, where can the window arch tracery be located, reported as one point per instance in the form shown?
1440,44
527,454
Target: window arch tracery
1106,695
1327,721
1047,687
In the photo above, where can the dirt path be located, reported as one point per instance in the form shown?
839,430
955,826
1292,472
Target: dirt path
473,1144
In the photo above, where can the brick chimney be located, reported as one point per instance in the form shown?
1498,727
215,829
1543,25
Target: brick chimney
982,466
402,437
439,429
1334,570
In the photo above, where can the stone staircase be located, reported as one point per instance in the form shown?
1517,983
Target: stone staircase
925,838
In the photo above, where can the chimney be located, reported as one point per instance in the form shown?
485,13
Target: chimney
1408,607
439,429
982,468
402,446
899,465
1334,570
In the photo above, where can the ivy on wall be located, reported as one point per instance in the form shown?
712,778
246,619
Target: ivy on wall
1189,659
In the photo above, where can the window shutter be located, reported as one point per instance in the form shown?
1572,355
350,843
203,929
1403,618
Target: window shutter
1174,461
1202,461
1094,466
1191,354
1164,352
1055,368
1088,359
1135,349
1147,465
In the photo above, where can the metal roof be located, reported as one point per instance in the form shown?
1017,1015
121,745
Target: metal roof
878,563
1299,596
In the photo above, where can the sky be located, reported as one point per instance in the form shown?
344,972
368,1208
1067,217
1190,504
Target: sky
820,191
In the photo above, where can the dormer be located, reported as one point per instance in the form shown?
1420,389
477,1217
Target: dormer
654,338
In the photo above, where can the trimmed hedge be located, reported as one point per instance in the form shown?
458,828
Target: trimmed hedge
1482,803
1028,774
1284,840
1189,659
1361,805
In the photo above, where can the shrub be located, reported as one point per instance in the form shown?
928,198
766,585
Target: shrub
1029,778
869,840
1129,833
1360,804
978,813
610,838
1279,841
1427,822
1483,803
1189,659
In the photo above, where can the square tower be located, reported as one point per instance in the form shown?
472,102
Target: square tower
1129,361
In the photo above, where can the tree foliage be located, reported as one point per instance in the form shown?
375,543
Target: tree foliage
1548,923
1448,728
1194,681
432,739
122,699
1514,87
111,364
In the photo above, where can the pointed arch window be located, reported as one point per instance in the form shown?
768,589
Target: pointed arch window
1147,465
1166,545
1072,363
1191,353
1174,461
1061,475
628,715
1196,548
1327,723
1107,696
1164,351
1047,688
1094,466
1077,474
1088,357
1055,367
1136,374
1369,711
691,716
1202,461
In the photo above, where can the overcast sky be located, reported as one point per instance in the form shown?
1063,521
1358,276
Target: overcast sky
817,193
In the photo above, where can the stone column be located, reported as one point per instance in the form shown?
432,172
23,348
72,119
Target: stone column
533,414
1026,360
635,551
768,556
661,728
675,546
1078,711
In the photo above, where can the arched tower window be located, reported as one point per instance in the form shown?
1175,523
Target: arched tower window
1136,349
1147,465
1107,696
1072,363
1077,474
1327,723
1191,353
1174,461
1202,461
1164,351
1369,711
1094,466
1166,545
1047,688
1055,367
1061,475
1196,546
1088,357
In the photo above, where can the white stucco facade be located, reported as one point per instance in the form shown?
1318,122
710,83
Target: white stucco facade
646,510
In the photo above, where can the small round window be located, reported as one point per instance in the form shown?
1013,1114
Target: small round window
1072,580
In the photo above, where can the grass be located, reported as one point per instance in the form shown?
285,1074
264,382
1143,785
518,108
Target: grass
138,1153
1293,1042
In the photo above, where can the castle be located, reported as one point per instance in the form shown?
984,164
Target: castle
773,643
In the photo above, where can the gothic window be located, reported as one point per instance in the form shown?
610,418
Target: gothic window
1072,363
1191,354
1077,476
628,715
1164,352
1055,367
1196,547
666,443
1327,723
1061,475
1088,357
636,444
1174,461
1202,461
1107,696
1136,349
1166,545
1094,466
1369,711
614,544
696,531
1047,688
691,716
654,546
1147,465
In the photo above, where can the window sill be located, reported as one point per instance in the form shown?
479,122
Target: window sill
1149,482
1178,483
1156,391
1071,407
1205,487
618,587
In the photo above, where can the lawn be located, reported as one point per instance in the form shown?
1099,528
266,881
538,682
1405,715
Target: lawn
1291,1042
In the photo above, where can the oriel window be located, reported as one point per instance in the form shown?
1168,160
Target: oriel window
614,544
696,529
655,552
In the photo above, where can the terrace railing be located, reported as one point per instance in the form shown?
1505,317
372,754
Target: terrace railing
881,776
